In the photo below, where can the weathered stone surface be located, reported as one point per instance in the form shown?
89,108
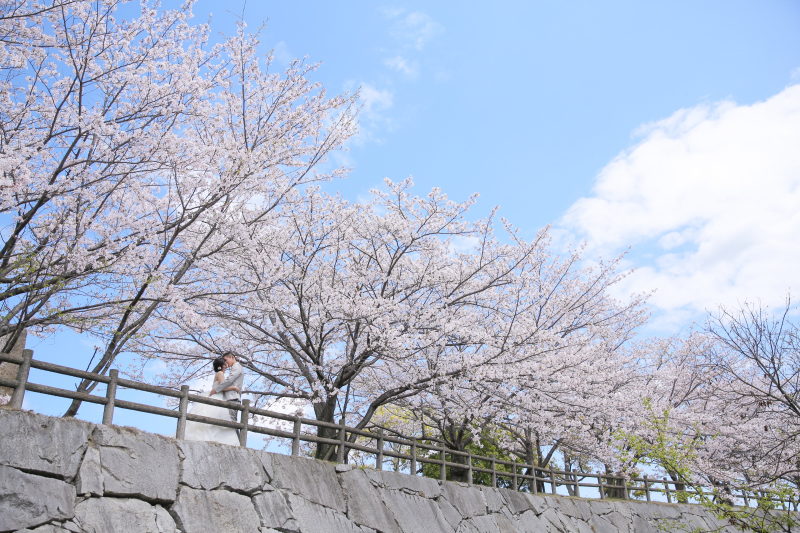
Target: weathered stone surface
415,514
314,518
274,511
209,466
314,480
28,501
652,511
537,503
640,525
493,499
449,512
421,486
122,515
467,500
600,507
135,463
47,528
495,523
90,476
364,505
601,525
528,522
266,463
516,501
37,443
620,521
214,511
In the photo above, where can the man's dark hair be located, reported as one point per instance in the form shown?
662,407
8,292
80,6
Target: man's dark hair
229,353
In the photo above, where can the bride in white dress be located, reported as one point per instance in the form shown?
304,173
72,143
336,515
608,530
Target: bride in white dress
207,432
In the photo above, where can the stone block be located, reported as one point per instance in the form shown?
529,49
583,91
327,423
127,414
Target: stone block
468,500
538,503
47,528
495,523
652,511
266,464
600,507
620,521
314,518
122,515
516,501
314,480
601,525
640,525
528,522
274,512
42,444
421,486
449,512
138,464
90,475
208,465
364,504
214,511
28,501
415,514
494,502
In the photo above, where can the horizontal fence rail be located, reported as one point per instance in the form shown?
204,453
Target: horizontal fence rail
519,476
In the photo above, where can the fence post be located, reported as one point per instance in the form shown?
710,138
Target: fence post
577,486
552,481
379,457
666,487
413,456
646,488
535,482
625,489
296,439
111,396
443,467
469,470
494,473
600,486
244,418
22,380
342,438
514,483
180,432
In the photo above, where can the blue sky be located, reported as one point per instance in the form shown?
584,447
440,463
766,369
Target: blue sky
671,127
529,103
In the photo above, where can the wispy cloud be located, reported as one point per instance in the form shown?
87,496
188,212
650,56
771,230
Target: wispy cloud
403,65
282,54
375,100
416,29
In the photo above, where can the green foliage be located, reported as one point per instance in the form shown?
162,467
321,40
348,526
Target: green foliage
676,452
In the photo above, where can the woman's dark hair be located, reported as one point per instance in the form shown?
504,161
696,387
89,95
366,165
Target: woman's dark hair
219,363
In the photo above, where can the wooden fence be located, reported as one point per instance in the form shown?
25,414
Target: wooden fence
539,480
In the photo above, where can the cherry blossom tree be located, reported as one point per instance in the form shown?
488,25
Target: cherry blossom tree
130,151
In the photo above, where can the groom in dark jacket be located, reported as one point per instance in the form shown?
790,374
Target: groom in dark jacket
235,378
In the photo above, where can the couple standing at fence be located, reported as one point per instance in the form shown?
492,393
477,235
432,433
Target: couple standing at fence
223,388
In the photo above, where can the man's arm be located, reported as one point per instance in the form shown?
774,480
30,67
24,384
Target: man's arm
234,373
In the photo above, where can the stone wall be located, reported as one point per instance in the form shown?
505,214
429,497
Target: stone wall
59,475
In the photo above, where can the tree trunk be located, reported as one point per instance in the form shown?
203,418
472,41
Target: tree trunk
324,412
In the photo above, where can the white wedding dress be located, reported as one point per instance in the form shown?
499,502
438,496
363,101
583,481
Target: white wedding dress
207,432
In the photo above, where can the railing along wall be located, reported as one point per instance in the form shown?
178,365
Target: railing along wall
608,486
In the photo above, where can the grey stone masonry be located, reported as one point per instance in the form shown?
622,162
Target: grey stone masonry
67,476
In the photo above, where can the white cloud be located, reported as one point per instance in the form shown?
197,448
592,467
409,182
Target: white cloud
375,100
282,54
796,74
710,200
390,12
403,65
416,29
